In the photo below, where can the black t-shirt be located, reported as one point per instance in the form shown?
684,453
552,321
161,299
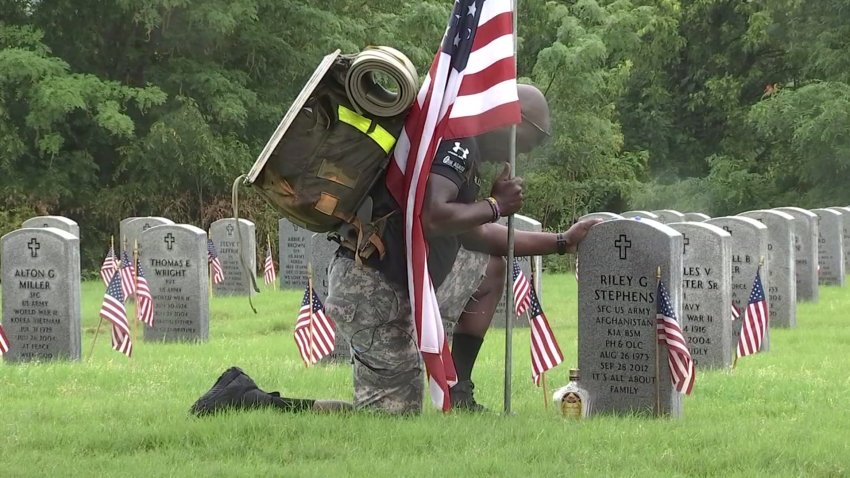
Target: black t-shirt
456,160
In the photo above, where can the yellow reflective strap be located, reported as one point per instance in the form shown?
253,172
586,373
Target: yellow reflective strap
379,135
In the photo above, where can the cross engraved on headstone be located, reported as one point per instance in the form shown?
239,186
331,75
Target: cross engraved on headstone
623,244
685,243
34,246
229,229
169,241
45,225
146,226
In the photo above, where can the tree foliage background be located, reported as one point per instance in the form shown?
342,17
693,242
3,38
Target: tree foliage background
153,107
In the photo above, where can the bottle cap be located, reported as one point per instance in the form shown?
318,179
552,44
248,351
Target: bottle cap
574,375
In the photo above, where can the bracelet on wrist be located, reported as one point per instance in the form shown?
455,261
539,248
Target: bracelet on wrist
494,207
560,243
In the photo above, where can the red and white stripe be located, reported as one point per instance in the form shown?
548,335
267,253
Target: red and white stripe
113,311
109,266
268,269
678,356
670,334
735,312
314,332
217,271
522,289
753,329
144,302
4,342
450,104
545,352
128,279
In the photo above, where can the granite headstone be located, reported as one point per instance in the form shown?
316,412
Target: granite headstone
133,229
696,217
749,248
294,254
805,252
782,293
59,222
668,216
640,214
706,293
601,215
41,294
845,236
225,237
174,257
830,246
617,289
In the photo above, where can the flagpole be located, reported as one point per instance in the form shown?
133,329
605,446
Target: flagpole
310,299
657,354
509,297
136,288
94,340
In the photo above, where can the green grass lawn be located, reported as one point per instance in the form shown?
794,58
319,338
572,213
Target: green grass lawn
778,414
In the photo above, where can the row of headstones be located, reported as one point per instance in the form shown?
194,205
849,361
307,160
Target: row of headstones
707,266
41,281
824,235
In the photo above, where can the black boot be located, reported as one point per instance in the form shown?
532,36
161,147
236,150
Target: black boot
462,398
234,389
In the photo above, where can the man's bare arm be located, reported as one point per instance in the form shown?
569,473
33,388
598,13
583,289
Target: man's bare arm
493,239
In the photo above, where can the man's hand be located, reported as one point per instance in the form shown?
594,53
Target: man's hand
577,233
508,192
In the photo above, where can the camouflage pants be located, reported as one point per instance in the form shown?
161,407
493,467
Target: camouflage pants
374,317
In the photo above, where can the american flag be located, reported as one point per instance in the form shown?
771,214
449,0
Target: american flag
755,320
268,267
469,90
736,312
545,352
109,266
212,258
314,331
670,334
144,298
128,275
4,341
522,297
113,310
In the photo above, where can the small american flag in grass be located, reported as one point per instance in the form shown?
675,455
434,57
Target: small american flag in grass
670,334
215,263
113,311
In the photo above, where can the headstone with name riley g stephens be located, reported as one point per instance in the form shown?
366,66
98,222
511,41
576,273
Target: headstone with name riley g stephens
41,294
174,257
617,289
